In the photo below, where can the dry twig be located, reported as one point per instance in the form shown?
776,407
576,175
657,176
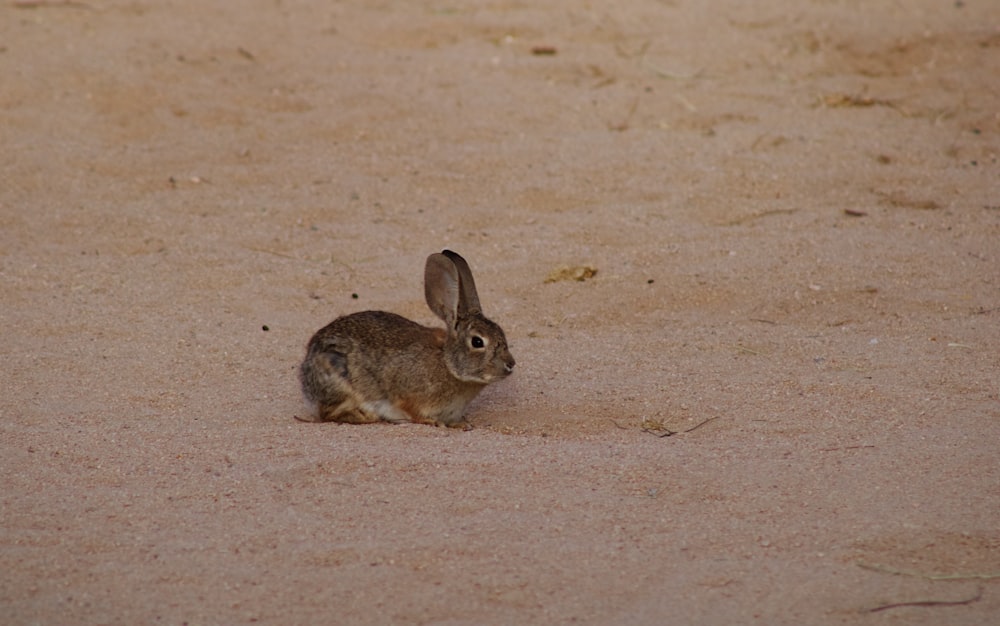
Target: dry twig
657,429
896,605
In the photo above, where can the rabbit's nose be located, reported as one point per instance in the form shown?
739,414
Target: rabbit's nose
509,365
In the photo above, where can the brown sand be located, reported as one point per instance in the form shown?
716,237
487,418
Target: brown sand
793,209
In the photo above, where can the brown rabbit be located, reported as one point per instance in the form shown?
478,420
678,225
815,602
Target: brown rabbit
377,366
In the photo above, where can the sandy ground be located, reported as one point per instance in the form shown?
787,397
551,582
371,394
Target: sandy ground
793,209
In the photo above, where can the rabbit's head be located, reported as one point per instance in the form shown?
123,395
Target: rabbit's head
475,348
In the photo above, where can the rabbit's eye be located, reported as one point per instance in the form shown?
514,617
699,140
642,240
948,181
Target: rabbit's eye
477,342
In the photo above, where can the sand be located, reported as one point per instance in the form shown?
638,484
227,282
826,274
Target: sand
786,216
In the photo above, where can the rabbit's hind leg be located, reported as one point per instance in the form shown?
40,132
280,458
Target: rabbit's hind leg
347,412
326,387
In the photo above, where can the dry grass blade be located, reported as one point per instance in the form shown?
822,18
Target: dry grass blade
578,273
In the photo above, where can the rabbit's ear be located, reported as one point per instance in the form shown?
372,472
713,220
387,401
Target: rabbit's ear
468,298
441,288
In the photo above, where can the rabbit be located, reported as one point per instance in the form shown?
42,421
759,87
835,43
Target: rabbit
375,366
